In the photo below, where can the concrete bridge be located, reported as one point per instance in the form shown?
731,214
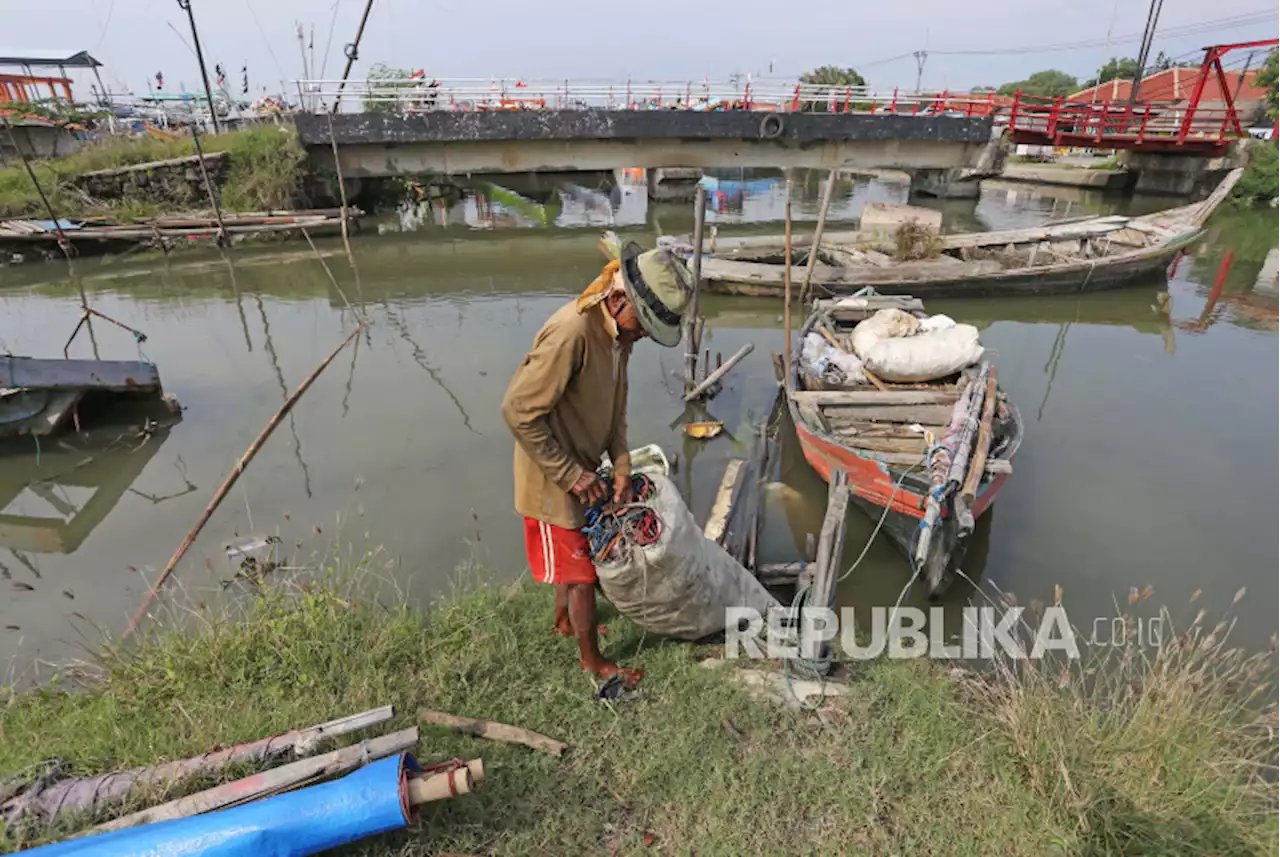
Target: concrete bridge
379,144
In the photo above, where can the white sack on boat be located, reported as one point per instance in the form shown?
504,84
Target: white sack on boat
937,322
829,363
679,586
926,356
886,324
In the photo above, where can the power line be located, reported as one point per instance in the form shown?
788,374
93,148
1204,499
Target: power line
1170,32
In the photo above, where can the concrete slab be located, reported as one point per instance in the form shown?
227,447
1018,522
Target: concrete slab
541,140
1105,180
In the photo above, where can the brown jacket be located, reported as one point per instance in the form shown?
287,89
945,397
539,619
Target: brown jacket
567,406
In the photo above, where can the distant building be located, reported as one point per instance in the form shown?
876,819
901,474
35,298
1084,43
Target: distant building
1174,87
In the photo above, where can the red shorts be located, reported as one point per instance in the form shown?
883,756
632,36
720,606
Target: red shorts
557,555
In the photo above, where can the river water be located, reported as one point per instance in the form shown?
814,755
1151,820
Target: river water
1151,414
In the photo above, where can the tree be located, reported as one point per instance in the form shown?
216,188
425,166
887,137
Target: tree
1049,83
982,90
830,75
1164,62
1267,78
389,91
1123,69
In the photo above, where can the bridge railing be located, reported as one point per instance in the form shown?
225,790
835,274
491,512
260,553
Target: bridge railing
1054,121
412,95
1057,121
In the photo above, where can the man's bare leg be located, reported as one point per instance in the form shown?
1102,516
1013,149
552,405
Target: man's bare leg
563,626
582,614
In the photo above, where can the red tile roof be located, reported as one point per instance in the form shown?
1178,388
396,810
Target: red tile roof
1175,84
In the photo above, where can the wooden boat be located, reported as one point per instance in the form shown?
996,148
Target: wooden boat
1080,255
38,396
23,236
874,435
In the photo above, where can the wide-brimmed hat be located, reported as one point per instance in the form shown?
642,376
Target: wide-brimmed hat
658,285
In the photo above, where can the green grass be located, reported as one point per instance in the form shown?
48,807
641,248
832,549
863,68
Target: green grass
265,172
911,761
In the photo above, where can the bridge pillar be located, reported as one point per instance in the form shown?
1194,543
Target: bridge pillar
1177,174
945,184
673,184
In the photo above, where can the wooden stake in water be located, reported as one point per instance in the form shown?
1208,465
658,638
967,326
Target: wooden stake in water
692,328
786,268
817,236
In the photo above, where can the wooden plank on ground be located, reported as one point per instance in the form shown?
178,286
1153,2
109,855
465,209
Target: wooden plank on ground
718,520
45,374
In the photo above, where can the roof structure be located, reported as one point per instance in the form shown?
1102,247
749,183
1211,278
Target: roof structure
1175,84
47,58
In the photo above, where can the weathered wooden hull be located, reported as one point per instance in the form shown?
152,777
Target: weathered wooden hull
1096,275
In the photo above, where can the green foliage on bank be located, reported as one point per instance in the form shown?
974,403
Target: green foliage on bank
1137,753
266,169
1261,180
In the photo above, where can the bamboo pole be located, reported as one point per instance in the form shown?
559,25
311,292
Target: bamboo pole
494,731
93,794
269,782
786,268
719,373
223,239
978,464
695,269
227,483
342,188
817,236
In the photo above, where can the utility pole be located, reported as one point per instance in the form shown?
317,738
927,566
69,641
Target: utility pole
185,5
1148,36
921,57
352,51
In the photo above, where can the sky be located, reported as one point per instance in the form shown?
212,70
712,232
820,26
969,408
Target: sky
661,40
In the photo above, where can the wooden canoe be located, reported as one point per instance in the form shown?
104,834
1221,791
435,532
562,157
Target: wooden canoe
868,433
1086,255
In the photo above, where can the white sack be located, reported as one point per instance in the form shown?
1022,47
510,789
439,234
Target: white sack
886,324
830,363
926,356
680,586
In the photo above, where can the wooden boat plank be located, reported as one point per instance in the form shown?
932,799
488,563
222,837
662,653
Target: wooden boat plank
876,397
923,414
47,374
718,520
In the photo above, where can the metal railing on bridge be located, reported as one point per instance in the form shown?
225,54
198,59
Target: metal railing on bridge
1155,126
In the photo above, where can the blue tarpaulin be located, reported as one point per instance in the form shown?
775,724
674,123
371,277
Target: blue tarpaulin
295,824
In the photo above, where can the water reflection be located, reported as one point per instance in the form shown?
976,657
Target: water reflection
52,503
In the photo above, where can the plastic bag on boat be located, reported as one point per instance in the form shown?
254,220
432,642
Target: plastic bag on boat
680,585
829,363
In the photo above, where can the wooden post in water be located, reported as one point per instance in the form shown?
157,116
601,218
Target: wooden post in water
786,268
826,572
817,236
693,331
